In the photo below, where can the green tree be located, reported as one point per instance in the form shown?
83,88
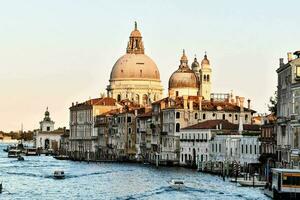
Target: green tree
273,103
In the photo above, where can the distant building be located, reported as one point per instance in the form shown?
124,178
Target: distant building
47,137
288,109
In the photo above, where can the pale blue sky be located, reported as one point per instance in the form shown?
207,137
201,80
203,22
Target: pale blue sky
53,53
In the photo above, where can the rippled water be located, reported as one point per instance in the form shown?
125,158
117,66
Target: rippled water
32,179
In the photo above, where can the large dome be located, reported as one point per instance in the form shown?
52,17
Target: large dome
135,67
183,77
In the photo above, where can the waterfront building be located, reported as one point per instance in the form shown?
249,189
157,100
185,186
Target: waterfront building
47,138
135,75
237,143
288,109
83,136
144,136
175,114
267,139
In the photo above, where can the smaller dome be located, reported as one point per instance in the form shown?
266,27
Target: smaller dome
183,77
205,61
195,64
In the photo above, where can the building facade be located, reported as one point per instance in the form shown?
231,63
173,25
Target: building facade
83,140
288,109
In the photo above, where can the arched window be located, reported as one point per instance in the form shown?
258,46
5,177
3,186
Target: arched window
224,117
196,115
145,99
141,73
204,77
207,78
177,115
119,97
177,127
204,116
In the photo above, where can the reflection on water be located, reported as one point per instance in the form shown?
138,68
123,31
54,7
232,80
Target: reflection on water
32,179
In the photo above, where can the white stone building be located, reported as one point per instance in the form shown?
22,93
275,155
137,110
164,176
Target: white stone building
47,137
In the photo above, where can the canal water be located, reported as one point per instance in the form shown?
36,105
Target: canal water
32,179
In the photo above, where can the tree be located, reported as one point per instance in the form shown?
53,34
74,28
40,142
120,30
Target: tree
273,103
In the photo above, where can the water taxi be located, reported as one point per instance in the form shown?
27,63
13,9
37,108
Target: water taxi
284,184
59,174
177,184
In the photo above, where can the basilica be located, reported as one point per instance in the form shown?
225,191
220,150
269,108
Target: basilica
135,121
136,77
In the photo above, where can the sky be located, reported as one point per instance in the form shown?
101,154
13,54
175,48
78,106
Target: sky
53,53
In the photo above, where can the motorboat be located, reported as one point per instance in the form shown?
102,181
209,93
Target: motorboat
177,184
13,153
59,174
252,183
61,157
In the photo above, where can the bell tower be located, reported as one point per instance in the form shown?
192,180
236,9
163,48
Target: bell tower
205,74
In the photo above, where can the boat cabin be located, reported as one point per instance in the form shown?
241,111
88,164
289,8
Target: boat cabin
286,183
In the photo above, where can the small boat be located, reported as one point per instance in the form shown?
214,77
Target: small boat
59,174
177,184
13,153
61,157
20,158
252,183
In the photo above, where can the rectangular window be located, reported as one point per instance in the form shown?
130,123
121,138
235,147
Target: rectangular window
298,71
250,149
246,149
212,147
220,148
254,149
129,119
242,148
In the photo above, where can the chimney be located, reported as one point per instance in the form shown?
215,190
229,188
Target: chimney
200,102
289,56
169,102
249,101
191,105
237,101
281,62
242,99
135,112
72,104
185,99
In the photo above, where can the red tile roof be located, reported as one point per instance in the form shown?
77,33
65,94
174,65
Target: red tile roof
212,124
